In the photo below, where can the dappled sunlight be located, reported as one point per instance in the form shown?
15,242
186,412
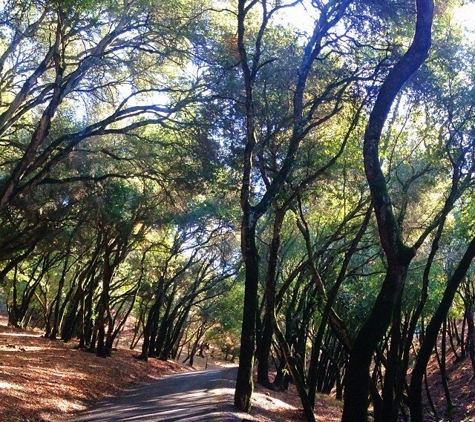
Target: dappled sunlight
328,419
193,396
19,334
257,399
65,380
273,401
11,386
41,379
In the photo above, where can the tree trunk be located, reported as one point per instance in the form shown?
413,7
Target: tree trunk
265,341
88,338
441,360
452,333
471,335
398,255
147,332
103,311
392,379
357,376
297,376
156,347
57,301
244,381
73,321
312,371
175,330
430,338
330,16
67,330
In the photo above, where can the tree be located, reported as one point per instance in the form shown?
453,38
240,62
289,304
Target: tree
80,65
398,255
123,140
304,118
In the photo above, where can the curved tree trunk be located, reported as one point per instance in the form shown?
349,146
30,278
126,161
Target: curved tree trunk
398,255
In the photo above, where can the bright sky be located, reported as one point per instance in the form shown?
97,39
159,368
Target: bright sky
301,18
298,16
466,16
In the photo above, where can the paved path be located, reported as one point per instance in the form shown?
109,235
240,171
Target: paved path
191,396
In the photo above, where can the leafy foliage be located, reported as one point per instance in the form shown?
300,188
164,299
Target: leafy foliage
138,143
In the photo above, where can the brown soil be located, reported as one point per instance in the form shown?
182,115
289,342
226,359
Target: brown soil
43,380
461,384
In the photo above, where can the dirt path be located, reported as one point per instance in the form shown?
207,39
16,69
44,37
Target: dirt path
191,396
45,381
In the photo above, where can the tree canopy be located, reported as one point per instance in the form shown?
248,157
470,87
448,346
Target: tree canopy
288,181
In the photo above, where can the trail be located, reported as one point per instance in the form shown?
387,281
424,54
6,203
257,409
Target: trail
191,396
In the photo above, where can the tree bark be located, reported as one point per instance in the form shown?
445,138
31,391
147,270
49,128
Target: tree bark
265,342
430,338
470,311
398,255
103,310
441,360
250,64
357,376
244,381
297,375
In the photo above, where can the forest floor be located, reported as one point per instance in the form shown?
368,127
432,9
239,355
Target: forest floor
461,383
43,380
